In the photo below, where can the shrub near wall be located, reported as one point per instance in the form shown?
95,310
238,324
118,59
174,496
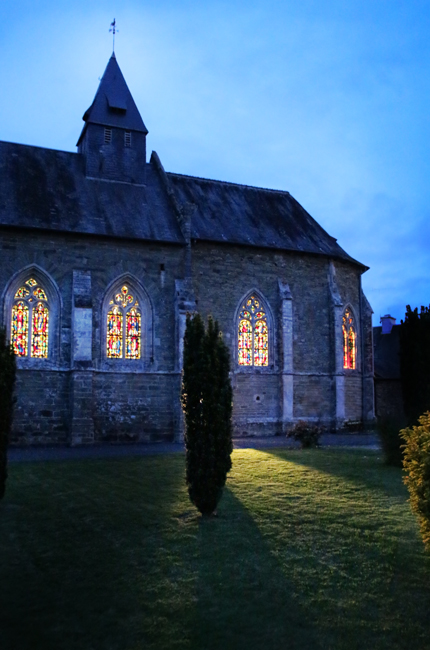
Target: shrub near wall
7,381
416,463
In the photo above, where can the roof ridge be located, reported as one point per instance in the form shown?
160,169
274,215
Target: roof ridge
37,146
214,180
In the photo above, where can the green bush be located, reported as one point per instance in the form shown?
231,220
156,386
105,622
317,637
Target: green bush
416,463
306,433
391,441
207,404
7,381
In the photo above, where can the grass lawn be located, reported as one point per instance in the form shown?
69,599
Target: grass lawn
311,549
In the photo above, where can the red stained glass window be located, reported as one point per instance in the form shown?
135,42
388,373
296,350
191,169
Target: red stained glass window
30,322
253,335
19,329
123,335
349,340
132,341
114,333
245,343
39,331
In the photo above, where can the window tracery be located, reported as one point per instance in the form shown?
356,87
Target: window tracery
349,340
253,334
123,332
30,321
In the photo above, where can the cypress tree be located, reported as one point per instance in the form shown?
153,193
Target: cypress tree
207,404
7,381
415,362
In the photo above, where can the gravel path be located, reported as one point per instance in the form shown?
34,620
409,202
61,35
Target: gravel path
106,450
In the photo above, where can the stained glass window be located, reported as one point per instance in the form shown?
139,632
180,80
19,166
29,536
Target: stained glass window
349,340
39,331
253,334
30,322
22,292
40,294
114,333
19,329
123,334
132,341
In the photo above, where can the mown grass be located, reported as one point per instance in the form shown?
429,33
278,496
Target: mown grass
311,549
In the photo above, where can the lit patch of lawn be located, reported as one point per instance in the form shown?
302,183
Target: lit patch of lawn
311,549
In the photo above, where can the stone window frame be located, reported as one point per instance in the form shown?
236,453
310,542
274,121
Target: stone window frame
48,284
271,327
137,289
357,369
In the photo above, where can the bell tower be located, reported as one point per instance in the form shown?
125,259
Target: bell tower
113,140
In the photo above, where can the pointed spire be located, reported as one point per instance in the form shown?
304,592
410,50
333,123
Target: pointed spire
113,104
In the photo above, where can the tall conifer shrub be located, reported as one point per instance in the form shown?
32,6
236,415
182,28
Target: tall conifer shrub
7,381
207,404
415,362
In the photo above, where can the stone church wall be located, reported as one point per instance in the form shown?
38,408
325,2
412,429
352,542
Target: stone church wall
41,414
135,407
223,276
52,392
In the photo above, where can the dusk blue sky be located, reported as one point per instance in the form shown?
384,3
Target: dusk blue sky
326,99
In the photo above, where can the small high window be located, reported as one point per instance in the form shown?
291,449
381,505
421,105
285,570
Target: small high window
349,340
108,136
127,139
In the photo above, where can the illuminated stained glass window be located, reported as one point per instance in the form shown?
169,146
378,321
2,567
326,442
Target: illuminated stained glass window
39,331
123,333
253,334
114,333
30,322
349,340
132,340
19,329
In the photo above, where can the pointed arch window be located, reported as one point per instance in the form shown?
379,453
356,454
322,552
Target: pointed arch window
253,334
30,321
124,326
349,340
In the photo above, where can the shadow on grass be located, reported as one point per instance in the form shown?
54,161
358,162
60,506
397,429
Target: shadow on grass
243,598
80,552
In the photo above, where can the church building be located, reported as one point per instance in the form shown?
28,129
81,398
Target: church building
103,254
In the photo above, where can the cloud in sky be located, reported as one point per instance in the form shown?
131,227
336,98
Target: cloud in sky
328,100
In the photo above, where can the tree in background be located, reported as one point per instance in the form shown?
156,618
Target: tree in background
7,381
415,362
416,463
207,405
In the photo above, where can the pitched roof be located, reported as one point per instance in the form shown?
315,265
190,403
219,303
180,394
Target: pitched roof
227,212
113,104
46,189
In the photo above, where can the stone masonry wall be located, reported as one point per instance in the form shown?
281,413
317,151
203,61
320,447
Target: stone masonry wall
135,407
155,266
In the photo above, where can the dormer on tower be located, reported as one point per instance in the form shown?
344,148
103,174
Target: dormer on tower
113,140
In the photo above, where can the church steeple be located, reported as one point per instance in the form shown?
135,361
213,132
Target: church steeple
113,139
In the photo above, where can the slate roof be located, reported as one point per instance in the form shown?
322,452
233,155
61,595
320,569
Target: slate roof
386,353
228,212
113,104
47,189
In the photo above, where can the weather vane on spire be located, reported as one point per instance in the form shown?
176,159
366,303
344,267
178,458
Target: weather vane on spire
113,29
